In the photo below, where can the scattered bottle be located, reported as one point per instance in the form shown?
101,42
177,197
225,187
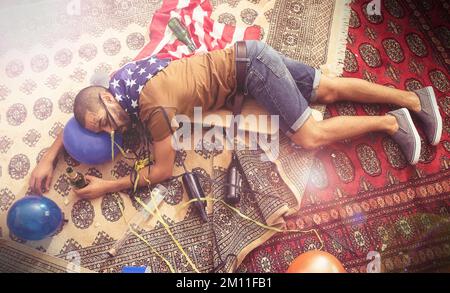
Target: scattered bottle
182,33
194,190
157,196
234,179
76,178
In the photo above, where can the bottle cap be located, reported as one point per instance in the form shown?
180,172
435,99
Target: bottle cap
71,173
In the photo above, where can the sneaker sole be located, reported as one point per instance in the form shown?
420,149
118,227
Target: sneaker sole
417,147
437,116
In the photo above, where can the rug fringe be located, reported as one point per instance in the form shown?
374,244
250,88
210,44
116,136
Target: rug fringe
342,42
338,39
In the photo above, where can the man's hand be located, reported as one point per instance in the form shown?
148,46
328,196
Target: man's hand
96,188
162,170
41,177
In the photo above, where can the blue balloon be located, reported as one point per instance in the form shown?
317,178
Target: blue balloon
34,217
86,146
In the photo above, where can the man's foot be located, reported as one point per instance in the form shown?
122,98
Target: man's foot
406,136
429,114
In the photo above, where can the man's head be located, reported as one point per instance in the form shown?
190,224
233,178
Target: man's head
97,110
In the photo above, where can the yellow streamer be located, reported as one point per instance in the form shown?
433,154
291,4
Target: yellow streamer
255,221
138,165
142,238
112,145
120,148
167,228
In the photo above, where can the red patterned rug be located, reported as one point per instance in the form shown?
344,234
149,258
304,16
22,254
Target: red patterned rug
362,196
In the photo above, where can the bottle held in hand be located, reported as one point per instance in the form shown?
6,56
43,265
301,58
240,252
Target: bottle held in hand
76,179
182,33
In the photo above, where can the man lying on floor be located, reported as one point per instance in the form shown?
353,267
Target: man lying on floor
281,85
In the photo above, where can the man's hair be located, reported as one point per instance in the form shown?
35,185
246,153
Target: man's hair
87,100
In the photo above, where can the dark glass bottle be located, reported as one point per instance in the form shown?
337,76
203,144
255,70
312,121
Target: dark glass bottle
194,190
76,178
182,33
234,180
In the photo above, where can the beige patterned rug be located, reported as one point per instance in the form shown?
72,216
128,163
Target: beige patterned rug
37,88
19,258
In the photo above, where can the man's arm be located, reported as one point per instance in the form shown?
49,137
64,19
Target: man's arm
44,169
162,170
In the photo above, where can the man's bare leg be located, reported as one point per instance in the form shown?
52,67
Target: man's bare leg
314,133
358,90
422,102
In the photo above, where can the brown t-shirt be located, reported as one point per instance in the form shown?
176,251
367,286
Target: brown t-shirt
205,81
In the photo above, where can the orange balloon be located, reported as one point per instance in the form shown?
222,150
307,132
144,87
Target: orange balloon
316,261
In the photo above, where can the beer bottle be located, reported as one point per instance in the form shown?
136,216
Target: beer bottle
182,33
234,179
76,178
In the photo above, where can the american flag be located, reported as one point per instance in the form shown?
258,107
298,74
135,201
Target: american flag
207,34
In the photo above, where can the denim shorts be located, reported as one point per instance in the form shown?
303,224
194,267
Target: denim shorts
283,86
